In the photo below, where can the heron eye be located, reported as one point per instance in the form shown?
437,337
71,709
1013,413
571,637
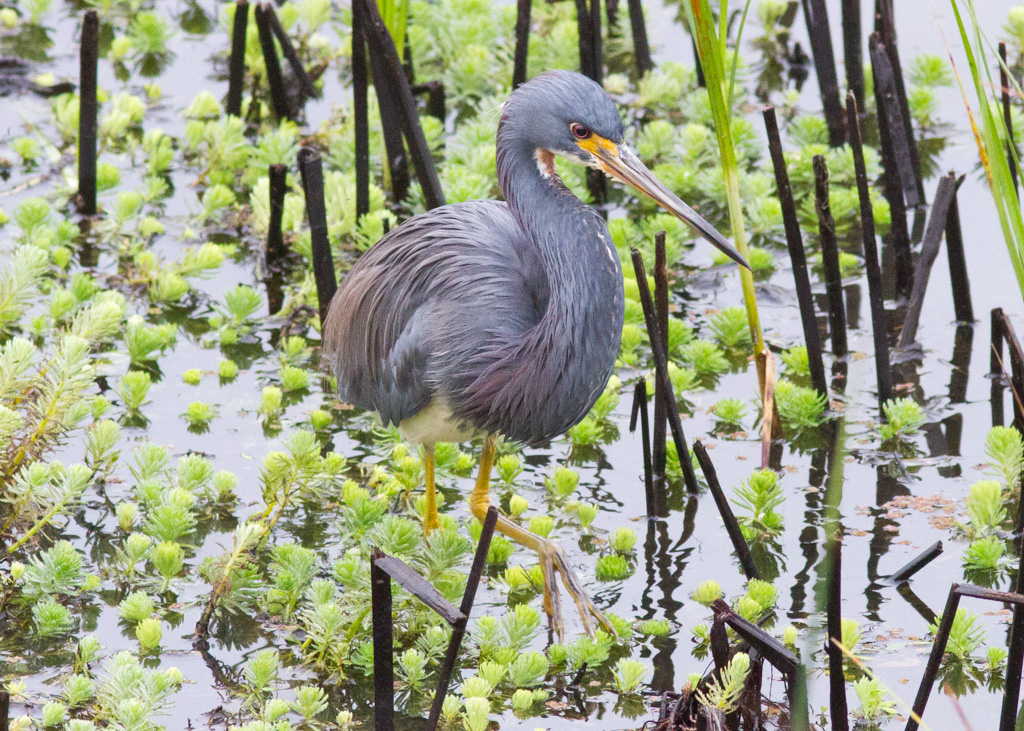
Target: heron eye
579,131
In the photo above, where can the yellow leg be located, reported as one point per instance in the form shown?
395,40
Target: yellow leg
551,555
430,521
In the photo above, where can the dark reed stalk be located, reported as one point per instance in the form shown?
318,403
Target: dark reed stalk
995,358
905,573
236,66
719,642
275,238
886,19
436,102
88,60
597,51
887,91
830,258
585,31
958,264
816,15
883,369
360,112
639,411
611,9
288,49
1015,657
661,300
935,658
956,591
382,46
641,48
383,647
834,620
390,115
1016,370
661,372
732,526
523,10
853,52
323,262
275,80
794,240
1004,84
5,710
476,571
929,253
899,235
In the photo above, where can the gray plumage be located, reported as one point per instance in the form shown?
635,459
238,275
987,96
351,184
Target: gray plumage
511,313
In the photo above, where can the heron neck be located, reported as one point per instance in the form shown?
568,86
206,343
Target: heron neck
571,238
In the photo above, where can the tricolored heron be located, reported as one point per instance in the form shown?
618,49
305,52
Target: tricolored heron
486,318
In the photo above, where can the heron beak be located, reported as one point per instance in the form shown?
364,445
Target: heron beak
619,162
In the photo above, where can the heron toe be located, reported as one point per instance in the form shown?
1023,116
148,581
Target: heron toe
553,562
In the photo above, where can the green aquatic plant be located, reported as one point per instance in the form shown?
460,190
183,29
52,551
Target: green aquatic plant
1004,448
986,511
707,592
760,495
655,627
796,361
613,567
729,412
874,706
984,554
723,692
904,417
730,327
622,540
965,636
799,407
706,358
563,482
628,675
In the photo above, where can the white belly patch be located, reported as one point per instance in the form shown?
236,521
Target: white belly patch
434,423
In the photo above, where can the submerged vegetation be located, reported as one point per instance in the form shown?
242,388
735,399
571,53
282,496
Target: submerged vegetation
177,470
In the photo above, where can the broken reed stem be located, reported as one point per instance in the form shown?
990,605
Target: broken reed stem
360,112
641,48
523,11
732,526
312,172
958,264
768,407
288,49
382,47
278,175
434,91
661,373
934,659
236,65
1015,657
661,300
853,53
917,563
929,253
879,330
830,258
834,620
476,571
278,97
816,15
899,235
383,647
886,19
797,256
1004,83
639,411
88,60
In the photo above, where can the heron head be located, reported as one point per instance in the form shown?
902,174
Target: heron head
571,115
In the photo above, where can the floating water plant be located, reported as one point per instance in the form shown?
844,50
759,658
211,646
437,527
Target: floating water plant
800,407
904,417
760,496
729,412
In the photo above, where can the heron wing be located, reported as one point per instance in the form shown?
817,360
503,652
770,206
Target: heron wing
437,289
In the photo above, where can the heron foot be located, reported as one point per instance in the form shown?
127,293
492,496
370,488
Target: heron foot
553,562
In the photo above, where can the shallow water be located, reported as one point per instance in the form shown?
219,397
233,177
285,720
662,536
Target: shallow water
678,552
